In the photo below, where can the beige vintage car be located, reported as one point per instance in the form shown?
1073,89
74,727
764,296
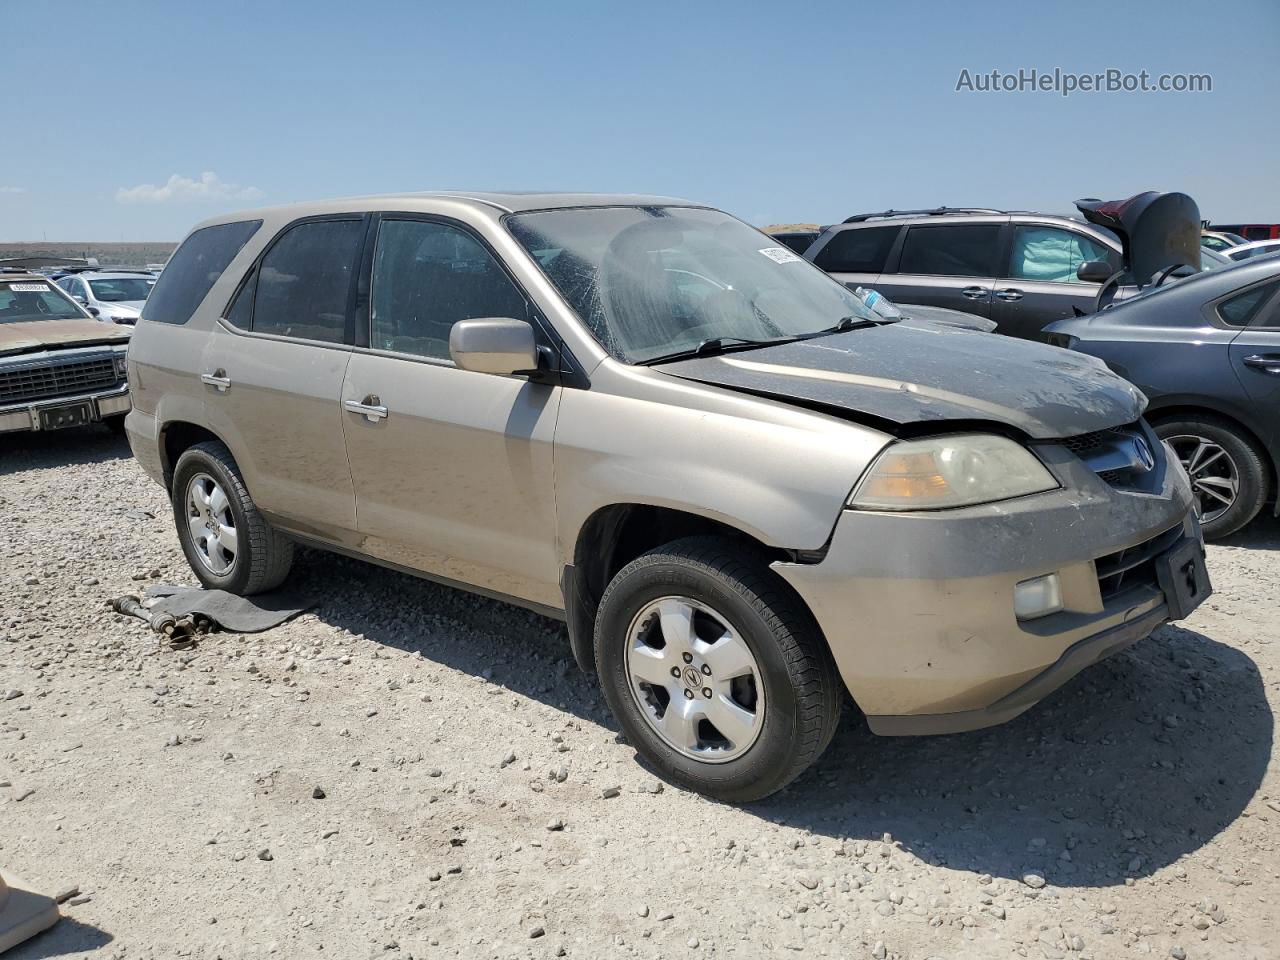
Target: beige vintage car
59,367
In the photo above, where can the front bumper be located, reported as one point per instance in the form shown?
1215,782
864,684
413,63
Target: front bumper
918,607
104,403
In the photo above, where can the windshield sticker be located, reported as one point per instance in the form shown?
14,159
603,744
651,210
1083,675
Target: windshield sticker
29,287
781,255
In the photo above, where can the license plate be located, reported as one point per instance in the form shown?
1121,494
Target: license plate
67,415
1184,578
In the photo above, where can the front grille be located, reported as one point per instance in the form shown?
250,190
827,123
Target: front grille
1084,444
1120,456
1133,566
56,379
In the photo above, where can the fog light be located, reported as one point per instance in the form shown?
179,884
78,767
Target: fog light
1037,597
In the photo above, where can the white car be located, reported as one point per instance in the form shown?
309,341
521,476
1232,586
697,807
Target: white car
1258,248
114,297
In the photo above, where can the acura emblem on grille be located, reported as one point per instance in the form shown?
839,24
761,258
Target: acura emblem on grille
1143,450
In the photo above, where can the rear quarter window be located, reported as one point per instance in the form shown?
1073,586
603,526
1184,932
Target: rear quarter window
194,268
1242,309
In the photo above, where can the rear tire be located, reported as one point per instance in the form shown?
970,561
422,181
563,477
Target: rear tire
1217,456
228,543
775,685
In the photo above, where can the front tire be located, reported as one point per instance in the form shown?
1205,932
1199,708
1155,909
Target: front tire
1228,474
716,671
228,543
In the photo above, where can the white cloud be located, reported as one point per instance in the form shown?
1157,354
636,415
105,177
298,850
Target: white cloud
13,189
180,189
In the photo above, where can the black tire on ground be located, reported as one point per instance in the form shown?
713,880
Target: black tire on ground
264,556
803,690
1250,466
115,424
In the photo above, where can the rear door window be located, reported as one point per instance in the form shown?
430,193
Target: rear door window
304,287
951,250
861,250
194,268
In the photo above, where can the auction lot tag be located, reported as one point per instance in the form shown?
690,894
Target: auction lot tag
29,287
780,255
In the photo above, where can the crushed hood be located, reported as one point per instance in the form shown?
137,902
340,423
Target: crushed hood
1156,230
38,334
914,372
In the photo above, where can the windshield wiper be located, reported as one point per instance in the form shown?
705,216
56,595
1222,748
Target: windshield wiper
713,346
855,323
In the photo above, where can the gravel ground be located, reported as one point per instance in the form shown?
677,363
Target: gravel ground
409,771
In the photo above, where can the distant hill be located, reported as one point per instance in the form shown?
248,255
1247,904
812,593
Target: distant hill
108,254
790,227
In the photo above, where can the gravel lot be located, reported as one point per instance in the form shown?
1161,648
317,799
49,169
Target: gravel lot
477,800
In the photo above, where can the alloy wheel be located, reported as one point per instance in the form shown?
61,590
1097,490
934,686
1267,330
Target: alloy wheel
1215,479
212,524
694,679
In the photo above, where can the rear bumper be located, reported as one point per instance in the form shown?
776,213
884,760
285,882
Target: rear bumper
918,608
143,434
20,417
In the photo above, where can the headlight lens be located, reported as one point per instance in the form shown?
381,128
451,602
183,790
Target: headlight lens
953,471
122,364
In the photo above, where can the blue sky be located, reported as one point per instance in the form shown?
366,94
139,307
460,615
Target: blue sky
156,115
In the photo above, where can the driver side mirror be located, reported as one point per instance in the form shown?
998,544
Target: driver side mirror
1094,271
494,345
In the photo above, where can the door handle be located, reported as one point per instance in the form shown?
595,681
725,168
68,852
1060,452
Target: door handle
1010,294
370,408
975,293
218,379
1269,364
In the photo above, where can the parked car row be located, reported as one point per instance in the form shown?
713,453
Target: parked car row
740,483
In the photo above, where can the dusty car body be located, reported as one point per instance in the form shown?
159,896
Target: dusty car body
739,487
59,367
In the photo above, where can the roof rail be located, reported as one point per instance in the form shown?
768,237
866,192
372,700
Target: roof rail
931,212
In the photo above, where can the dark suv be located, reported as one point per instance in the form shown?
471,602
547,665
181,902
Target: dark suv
1020,269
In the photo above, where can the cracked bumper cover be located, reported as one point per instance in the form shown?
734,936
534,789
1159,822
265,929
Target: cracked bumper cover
918,607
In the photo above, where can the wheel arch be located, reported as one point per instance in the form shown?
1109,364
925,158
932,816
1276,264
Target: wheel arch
177,436
1180,409
612,537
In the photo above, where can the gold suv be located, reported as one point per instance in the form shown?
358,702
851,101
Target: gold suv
742,489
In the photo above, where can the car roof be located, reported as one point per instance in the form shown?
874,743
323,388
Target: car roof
1255,244
491,202
941,214
22,276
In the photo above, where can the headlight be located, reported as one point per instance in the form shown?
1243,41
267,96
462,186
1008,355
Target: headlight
952,471
122,364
